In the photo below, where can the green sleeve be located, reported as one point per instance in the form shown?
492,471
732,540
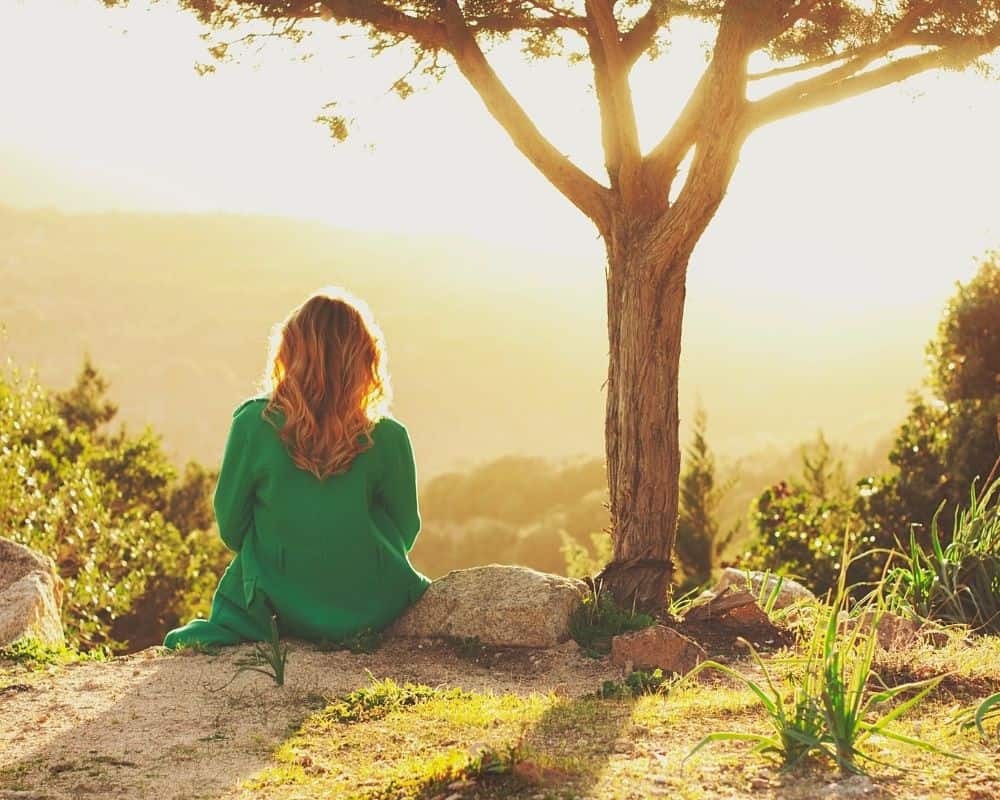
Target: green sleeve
398,488
233,499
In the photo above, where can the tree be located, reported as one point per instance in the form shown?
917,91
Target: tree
822,471
650,219
699,540
85,404
948,441
951,438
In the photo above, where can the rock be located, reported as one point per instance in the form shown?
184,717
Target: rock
892,631
30,596
856,786
505,606
790,592
734,610
656,646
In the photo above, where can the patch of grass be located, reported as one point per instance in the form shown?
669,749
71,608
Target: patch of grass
598,619
636,684
980,716
381,698
197,648
33,654
831,709
402,741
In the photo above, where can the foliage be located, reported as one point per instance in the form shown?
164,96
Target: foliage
95,503
950,438
85,404
598,619
582,561
268,658
832,708
700,540
965,355
978,716
801,535
947,441
33,654
638,682
958,582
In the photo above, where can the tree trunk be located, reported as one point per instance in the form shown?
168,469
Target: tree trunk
646,287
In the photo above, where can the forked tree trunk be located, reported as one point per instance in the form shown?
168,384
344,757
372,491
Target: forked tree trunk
646,287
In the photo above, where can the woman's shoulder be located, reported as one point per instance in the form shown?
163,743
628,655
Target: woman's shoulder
250,411
388,425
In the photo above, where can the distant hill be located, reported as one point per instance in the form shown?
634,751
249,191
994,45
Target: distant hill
493,350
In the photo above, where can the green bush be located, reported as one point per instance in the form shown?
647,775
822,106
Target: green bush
948,440
97,504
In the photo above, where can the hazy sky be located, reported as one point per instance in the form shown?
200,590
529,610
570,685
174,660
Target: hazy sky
867,210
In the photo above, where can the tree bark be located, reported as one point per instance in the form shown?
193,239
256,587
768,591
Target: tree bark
646,287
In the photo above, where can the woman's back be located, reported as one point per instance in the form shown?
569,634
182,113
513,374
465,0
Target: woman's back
319,504
329,555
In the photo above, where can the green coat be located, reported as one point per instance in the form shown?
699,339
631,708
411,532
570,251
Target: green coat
328,557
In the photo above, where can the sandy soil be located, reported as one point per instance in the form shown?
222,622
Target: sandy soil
167,726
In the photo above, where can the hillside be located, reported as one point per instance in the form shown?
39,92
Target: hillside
493,350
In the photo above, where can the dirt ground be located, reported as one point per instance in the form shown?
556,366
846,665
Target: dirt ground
167,726
179,726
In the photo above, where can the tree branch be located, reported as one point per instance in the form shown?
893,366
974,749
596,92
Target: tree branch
795,100
385,18
637,40
619,129
663,161
581,190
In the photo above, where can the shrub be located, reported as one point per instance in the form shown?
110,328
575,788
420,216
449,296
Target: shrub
832,708
95,504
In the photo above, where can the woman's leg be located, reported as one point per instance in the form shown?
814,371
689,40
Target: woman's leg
230,622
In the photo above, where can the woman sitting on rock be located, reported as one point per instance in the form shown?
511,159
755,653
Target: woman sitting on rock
317,493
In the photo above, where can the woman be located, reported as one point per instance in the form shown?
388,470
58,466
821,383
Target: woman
317,492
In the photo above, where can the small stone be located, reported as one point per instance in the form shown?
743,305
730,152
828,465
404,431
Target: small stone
857,786
527,771
656,647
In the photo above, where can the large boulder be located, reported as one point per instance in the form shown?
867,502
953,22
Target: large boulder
30,596
790,592
504,606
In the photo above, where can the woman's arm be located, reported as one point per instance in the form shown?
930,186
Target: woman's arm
398,488
233,499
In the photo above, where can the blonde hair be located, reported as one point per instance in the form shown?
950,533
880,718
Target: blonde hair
327,374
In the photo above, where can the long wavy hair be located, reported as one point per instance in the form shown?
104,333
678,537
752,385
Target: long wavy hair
327,374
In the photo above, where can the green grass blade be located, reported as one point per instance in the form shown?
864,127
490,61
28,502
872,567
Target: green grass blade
767,742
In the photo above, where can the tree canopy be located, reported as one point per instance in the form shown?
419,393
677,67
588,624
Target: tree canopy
823,50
